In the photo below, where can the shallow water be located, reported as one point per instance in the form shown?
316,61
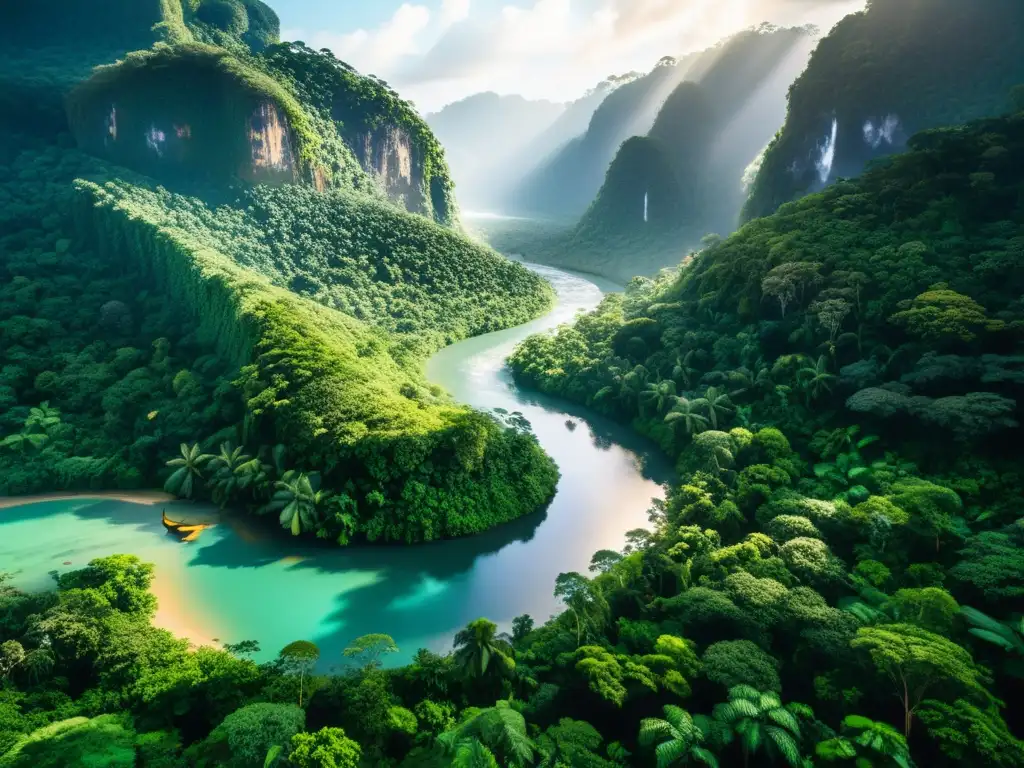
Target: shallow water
235,583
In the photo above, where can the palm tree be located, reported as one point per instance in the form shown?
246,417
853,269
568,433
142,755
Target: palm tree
685,412
661,393
759,719
25,440
633,385
1008,635
747,381
35,432
296,497
495,734
182,481
479,647
42,418
683,371
258,474
469,753
676,739
716,402
226,478
816,379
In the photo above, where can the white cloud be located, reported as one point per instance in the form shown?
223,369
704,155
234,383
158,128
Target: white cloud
454,11
551,49
379,49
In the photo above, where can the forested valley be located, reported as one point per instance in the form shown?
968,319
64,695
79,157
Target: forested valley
294,370
834,577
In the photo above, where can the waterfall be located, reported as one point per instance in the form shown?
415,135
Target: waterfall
874,136
828,154
646,197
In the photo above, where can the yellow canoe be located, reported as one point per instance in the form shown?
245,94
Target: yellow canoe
190,531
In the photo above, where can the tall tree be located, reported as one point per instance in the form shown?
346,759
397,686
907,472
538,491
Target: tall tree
717,404
581,597
226,478
367,650
685,412
299,657
917,661
295,498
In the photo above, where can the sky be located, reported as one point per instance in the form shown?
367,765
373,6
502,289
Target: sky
435,52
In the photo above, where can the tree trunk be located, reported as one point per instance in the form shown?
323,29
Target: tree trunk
907,714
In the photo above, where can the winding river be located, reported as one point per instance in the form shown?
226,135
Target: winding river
235,583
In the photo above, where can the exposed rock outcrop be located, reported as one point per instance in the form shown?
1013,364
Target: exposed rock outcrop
390,156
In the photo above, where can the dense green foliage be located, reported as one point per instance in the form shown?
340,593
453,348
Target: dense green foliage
122,377
922,63
425,286
778,649
896,295
193,345
260,346
878,323
835,577
360,106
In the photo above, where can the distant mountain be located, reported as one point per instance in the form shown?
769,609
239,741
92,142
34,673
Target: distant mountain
881,75
563,183
666,190
483,132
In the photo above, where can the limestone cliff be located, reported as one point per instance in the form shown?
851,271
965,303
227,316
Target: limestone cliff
186,115
196,114
389,154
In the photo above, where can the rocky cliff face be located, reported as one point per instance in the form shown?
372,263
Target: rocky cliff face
271,145
390,156
186,142
193,114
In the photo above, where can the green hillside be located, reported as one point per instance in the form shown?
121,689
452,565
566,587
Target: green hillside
899,67
835,578
288,319
892,300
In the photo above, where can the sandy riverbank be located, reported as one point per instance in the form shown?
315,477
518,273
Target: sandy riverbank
133,497
174,615
173,612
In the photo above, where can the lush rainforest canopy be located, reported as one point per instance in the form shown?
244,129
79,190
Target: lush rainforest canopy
835,577
258,345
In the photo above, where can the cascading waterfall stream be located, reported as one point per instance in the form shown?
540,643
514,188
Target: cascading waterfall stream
828,154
